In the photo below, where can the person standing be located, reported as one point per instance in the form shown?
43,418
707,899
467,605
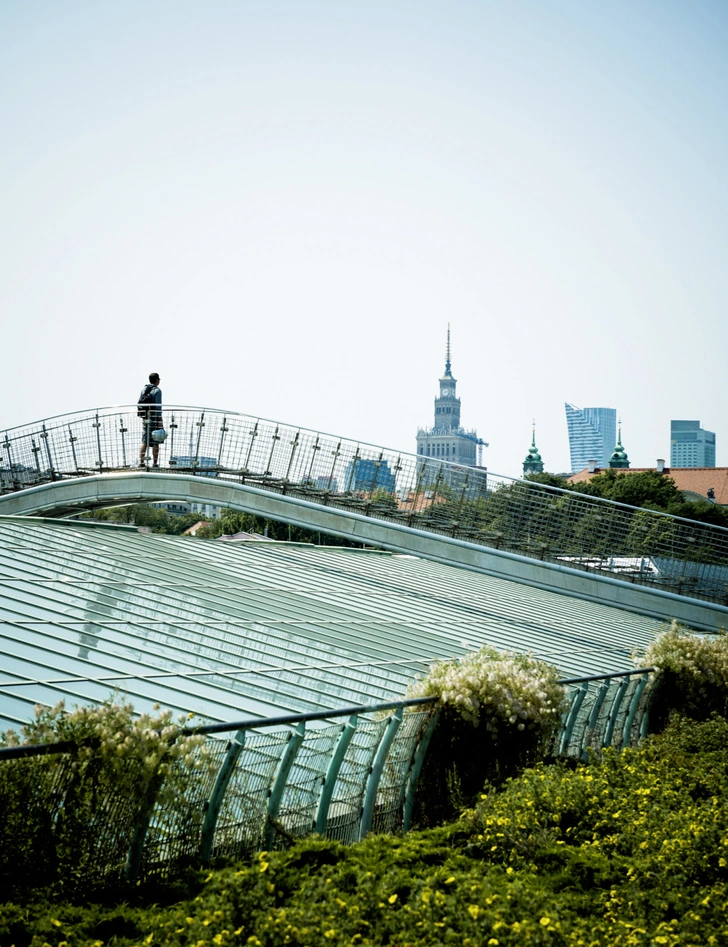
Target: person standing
149,409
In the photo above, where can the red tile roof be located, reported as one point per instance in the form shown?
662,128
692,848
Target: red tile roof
695,481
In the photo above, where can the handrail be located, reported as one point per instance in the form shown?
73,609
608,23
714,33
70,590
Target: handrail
253,723
341,781
414,491
441,462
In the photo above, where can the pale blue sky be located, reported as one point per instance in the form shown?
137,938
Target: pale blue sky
280,205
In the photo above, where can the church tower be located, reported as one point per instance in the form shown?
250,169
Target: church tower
619,458
446,439
533,462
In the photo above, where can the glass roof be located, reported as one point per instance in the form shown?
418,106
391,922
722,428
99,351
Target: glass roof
233,630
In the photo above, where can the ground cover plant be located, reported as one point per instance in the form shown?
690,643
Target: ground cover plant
628,850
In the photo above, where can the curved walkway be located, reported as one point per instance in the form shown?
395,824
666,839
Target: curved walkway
650,562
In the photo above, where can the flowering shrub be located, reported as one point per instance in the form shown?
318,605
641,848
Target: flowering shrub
501,687
110,733
68,818
692,673
518,699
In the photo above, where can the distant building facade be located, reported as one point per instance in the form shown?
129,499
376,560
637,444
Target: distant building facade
446,439
368,476
691,445
592,435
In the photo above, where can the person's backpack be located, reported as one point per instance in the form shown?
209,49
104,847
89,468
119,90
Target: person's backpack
145,398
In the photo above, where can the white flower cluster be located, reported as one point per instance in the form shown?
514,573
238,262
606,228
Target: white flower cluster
111,734
690,655
499,687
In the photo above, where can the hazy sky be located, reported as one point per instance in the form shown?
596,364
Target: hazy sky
279,206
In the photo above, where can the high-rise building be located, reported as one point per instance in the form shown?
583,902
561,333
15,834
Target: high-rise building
447,440
592,435
691,445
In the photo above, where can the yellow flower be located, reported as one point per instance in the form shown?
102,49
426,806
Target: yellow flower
473,911
392,898
545,921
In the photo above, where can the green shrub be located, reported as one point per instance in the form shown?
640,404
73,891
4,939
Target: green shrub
68,819
499,712
692,674
629,851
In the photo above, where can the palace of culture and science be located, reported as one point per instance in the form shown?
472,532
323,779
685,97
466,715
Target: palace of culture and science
447,440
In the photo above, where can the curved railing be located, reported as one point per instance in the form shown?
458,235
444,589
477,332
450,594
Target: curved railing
429,493
355,771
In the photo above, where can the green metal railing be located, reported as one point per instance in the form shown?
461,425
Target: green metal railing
428,493
342,773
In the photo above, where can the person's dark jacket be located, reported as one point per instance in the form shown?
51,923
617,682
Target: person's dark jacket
153,406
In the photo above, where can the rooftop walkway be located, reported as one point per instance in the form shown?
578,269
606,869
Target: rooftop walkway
650,563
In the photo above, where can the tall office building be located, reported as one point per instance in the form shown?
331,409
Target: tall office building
691,445
447,440
592,435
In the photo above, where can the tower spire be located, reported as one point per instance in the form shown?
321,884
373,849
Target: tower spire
447,352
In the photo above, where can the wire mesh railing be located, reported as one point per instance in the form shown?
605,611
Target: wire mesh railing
421,492
342,773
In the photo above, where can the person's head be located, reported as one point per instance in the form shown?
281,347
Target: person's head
154,379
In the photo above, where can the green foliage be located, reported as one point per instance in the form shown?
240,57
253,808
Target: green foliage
627,852
142,514
234,521
68,818
518,700
692,674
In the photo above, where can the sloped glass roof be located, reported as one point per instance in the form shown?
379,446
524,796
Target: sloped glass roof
231,630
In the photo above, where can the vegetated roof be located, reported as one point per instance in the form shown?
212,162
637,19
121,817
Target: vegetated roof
232,630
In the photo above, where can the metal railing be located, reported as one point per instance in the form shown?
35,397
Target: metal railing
353,773
428,493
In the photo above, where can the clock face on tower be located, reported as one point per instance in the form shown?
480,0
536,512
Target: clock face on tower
445,392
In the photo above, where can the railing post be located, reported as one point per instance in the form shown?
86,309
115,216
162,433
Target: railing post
593,718
279,783
294,448
122,431
214,803
633,706
375,774
72,441
414,773
172,428
336,453
97,425
200,424
141,828
44,437
223,431
332,773
616,704
576,702
275,437
253,435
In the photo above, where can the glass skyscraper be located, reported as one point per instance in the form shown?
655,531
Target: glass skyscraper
592,435
690,445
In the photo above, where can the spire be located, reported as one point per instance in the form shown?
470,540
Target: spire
533,462
619,458
447,352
